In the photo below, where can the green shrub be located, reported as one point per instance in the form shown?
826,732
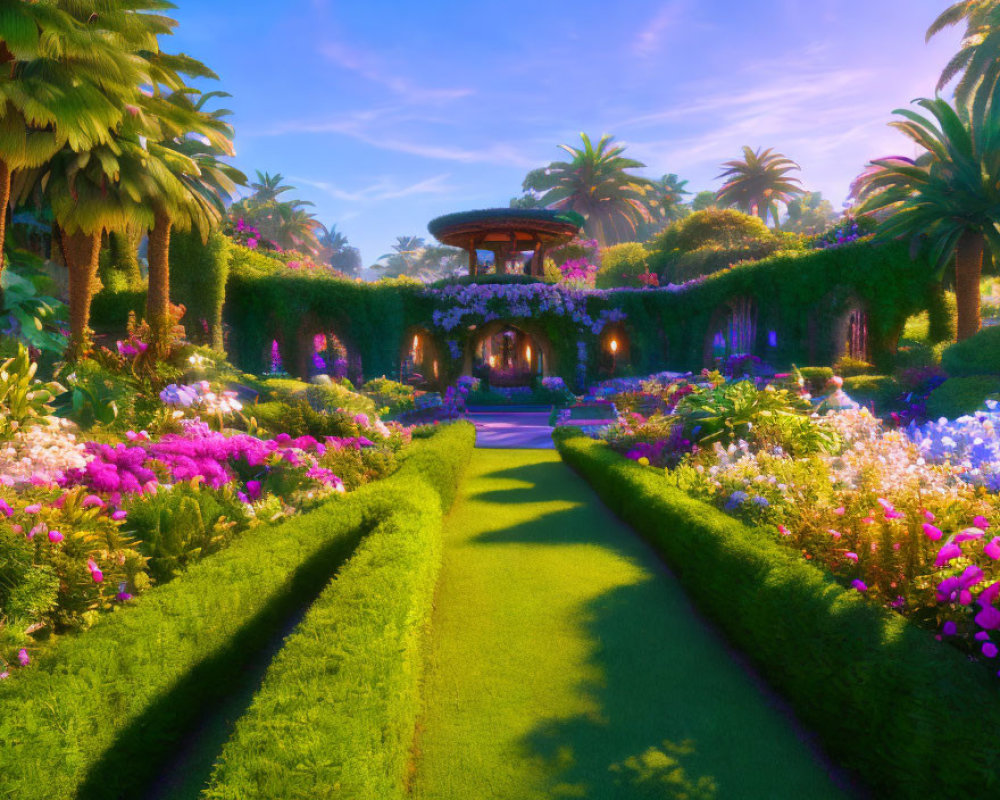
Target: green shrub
878,389
847,367
680,267
713,227
199,271
621,265
328,395
301,419
390,395
816,378
102,712
959,396
977,355
872,685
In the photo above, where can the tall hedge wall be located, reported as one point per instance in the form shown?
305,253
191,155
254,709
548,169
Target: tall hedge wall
801,301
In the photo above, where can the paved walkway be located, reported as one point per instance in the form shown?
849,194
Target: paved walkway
513,429
566,662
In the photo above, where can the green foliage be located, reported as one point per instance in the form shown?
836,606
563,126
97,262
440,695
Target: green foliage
27,590
759,182
176,528
24,292
851,669
198,274
392,396
714,227
621,265
978,355
23,400
156,666
328,395
959,396
769,416
809,214
301,419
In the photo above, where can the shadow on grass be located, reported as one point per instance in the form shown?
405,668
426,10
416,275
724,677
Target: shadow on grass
170,750
677,718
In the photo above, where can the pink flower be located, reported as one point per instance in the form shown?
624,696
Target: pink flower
860,585
833,533
992,548
989,594
947,553
23,658
840,511
5,508
784,531
55,537
981,522
933,533
968,535
92,500
869,520
894,514
34,508
990,650
97,575
851,557
928,515
119,515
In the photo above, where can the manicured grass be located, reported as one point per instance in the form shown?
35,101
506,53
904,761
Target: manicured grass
566,662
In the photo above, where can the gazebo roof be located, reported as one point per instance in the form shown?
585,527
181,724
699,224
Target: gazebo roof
527,226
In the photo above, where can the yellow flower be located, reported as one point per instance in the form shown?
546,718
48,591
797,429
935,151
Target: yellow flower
644,461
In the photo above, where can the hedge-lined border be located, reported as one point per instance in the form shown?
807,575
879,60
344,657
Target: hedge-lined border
97,716
909,714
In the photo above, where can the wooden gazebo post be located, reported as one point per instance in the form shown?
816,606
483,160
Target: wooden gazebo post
473,257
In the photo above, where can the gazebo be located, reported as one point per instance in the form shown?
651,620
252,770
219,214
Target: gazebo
507,232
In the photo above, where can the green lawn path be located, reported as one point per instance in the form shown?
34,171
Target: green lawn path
565,662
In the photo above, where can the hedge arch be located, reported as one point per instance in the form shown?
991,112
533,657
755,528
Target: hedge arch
527,334
418,352
732,330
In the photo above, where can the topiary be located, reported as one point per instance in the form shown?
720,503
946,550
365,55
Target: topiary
959,396
816,377
977,355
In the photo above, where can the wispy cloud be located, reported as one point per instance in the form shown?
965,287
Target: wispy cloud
379,127
364,64
651,38
381,190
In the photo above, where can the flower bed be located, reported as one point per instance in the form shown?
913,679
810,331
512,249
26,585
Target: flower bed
70,723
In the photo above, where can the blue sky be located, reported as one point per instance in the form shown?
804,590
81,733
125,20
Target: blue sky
387,114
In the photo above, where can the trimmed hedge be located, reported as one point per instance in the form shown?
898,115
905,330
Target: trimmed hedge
99,715
343,694
977,355
959,396
909,714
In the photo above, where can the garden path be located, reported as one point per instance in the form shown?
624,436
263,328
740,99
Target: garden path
513,429
565,662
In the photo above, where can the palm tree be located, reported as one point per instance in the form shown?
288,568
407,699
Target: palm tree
194,185
67,77
338,253
758,183
267,187
596,184
978,60
948,199
668,192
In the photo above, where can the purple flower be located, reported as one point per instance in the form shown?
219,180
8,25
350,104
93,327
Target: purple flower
950,628
992,548
55,537
5,508
933,533
23,658
988,618
859,584
989,650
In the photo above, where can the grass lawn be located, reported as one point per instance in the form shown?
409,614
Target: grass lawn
565,662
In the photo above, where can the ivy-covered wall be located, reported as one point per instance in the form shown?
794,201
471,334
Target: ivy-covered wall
799,301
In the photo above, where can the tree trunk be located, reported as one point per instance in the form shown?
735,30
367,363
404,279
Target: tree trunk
4,203
968,269
158,293
82,252
124,247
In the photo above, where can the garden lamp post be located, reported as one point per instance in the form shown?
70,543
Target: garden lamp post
614,355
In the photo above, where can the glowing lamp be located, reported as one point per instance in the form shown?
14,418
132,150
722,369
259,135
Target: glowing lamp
614,345
493,361
527,353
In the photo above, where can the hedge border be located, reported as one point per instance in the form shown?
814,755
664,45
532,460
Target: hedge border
910,715
80,724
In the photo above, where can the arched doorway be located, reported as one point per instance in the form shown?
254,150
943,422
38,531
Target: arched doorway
851,332
506,354
419,359
732,331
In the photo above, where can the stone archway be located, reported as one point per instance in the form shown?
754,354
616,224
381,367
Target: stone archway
509,353
732,330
